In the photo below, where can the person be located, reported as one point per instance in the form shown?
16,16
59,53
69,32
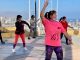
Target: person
65,25
1,35
53,29
19,31
32,25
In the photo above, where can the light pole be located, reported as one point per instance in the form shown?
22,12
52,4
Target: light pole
35,31
39,10
51,4
57,8
29,10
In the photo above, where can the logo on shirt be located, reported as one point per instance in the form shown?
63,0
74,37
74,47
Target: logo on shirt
54,36
59,28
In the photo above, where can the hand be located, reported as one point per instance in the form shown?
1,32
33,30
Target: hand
43,10
70,40
72,28
46,3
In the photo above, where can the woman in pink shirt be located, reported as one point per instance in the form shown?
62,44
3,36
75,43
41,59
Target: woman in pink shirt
53,29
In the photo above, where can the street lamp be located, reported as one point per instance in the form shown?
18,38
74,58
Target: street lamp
35,31
29,11
57,8
51,4
39,9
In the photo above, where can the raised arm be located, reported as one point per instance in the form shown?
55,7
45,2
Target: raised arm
43,9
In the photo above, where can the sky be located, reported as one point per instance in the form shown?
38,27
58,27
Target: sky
11,8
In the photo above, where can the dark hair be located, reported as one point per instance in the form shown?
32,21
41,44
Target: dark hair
46,15
60,19
51,13
18,16
64,17
32,16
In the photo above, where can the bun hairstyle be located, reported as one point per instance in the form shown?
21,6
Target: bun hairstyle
48,14
18,16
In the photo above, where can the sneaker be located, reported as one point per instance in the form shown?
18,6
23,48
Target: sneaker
34,37
3,42
13,50
25,48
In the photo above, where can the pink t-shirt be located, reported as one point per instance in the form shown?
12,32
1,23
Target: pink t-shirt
53,29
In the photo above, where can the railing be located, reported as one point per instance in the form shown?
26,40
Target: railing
9,31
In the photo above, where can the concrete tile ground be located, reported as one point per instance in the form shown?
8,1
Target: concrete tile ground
36,50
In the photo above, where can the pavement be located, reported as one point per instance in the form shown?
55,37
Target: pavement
36,50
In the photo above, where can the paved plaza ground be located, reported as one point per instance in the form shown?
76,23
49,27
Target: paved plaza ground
36,50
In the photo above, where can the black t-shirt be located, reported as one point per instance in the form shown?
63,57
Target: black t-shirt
20,27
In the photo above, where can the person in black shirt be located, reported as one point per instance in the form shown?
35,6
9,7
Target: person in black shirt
20,31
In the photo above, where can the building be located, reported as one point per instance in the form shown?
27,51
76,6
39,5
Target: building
8,21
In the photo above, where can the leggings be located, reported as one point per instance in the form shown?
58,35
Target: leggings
57,50
65,38
31,34
16,39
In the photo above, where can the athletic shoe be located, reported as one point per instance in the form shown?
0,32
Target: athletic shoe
34,37
13,50
2,42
